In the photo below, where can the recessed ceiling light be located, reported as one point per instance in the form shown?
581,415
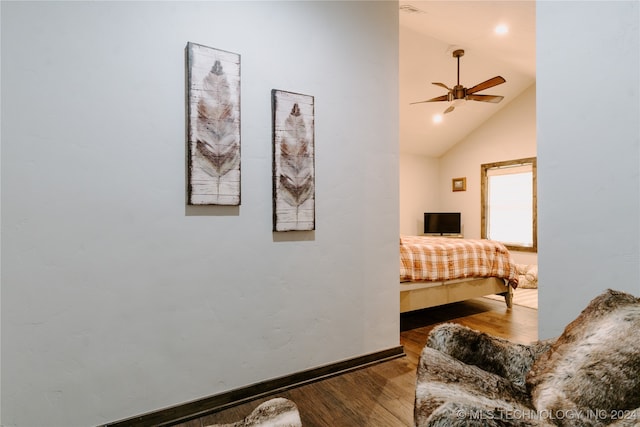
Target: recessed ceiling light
501,29
437,118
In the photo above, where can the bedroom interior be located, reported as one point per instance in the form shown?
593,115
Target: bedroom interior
118,300
500,66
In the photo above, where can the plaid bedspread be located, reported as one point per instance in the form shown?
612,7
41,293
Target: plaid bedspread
442,258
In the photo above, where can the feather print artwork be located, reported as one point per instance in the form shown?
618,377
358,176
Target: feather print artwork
293,164
296,166
214,126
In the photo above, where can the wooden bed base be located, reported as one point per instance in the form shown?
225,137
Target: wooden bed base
418,295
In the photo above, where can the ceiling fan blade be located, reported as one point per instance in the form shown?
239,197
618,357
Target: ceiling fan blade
486,98
438,98
448,110
497,80
441,85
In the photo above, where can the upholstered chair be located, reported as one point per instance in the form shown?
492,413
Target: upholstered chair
589,376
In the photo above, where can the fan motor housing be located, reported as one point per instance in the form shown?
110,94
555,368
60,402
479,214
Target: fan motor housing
459,92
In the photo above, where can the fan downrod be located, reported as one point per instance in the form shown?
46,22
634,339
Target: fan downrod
459,92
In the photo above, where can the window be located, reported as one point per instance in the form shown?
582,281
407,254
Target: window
509,204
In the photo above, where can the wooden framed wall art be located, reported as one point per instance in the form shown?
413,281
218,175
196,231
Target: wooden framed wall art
459,184
213,139
293,161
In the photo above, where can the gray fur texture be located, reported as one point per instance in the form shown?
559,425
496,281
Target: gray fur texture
277,412
594,365
492,354
469,378
589,376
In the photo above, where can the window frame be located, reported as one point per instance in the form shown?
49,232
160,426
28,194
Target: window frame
485,193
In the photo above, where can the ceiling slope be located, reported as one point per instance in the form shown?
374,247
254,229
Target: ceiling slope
429,33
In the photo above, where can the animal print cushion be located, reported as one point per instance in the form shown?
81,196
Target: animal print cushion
527,276
591,374
277,412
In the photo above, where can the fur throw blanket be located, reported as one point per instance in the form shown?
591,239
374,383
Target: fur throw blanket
593,369
278,412
589,376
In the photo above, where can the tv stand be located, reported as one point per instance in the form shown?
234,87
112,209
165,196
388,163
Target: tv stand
451,236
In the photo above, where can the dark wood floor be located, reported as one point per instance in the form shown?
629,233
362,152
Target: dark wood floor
382,394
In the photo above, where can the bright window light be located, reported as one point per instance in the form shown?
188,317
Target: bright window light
508,192
510,208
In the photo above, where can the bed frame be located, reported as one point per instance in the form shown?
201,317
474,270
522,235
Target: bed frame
418,295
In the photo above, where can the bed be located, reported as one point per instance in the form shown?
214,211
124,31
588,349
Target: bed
441,270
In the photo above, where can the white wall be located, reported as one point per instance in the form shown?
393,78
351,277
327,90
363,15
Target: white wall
418,191
116,298
588,154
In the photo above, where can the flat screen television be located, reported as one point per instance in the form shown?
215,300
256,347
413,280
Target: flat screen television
442,223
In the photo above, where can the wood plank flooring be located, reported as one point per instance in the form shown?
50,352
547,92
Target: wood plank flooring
382,395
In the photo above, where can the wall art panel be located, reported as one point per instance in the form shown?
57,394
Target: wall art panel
213,126
293,161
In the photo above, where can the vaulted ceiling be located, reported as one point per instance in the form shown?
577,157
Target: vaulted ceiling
429,33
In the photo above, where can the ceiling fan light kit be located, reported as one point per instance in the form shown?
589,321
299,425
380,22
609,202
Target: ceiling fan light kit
460,92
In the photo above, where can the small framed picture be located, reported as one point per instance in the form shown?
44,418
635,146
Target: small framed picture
459,184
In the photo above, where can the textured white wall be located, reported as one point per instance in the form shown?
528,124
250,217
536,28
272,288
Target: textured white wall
418,191
116,298
588,154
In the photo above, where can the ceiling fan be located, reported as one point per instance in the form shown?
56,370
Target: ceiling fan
462,93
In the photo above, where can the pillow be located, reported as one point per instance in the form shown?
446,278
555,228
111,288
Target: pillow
527,276
592,372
